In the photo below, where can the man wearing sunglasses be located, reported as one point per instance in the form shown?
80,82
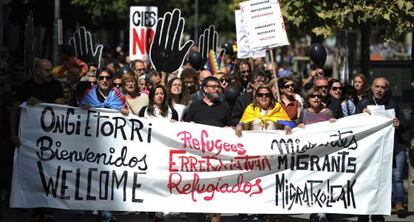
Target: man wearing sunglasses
103,95
330,102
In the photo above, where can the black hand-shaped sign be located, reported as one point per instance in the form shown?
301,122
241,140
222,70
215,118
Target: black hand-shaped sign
207,42
84,46
29,44
165,53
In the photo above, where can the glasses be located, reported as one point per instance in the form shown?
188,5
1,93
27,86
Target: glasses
91,82
104,77
140,70
322,87
315,96
117,85
334,88
288,86
266,95
212,86
224,80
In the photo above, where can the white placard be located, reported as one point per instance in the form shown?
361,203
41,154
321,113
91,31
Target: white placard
96,160
142,24
243,49
264,24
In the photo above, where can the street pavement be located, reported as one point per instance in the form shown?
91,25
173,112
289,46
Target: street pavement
23,215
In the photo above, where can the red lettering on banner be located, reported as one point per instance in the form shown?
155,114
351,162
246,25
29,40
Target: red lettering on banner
194,187
180,161
204,144
142,40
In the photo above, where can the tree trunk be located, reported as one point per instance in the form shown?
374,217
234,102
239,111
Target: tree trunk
364,61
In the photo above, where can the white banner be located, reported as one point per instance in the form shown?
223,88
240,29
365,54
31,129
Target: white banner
243,50
142,24
264,24
98,160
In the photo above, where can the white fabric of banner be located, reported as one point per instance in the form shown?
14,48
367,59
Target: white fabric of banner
99,160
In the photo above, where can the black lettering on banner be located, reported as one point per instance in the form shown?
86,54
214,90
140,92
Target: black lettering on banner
46,152
103,174
136,185
98,117
136,129
120,127
321,193
47,128
63,186
118,182
88,190
49,186
87,127
77,185
290,147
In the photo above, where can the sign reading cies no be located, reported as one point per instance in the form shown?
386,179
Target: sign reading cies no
142,24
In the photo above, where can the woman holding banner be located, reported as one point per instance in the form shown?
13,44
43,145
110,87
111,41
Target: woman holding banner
289,99
158,105
134,98
264,114
316,111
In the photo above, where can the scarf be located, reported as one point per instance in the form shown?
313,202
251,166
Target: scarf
277,115
114,100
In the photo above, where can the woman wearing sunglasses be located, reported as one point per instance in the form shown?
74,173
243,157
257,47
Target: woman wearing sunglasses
264,114
289,99
316,111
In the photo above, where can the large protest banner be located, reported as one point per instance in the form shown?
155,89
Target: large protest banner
142,24
264,24
98,160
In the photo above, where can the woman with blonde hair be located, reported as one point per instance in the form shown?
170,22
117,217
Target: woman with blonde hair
134,99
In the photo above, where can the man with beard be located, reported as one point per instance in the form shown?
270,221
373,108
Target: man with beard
209,110
380,96
199,94
244,74
41,88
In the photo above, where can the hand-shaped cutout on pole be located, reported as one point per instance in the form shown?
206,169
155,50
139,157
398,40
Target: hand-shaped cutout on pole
165,52
208,49
84,46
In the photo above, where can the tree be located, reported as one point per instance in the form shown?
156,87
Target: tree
325,17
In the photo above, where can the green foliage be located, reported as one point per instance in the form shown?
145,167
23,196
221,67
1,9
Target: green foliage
324,17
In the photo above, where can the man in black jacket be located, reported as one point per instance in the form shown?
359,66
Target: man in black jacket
380,96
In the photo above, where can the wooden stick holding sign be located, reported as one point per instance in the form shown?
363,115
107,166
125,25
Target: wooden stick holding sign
272,59
166,55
